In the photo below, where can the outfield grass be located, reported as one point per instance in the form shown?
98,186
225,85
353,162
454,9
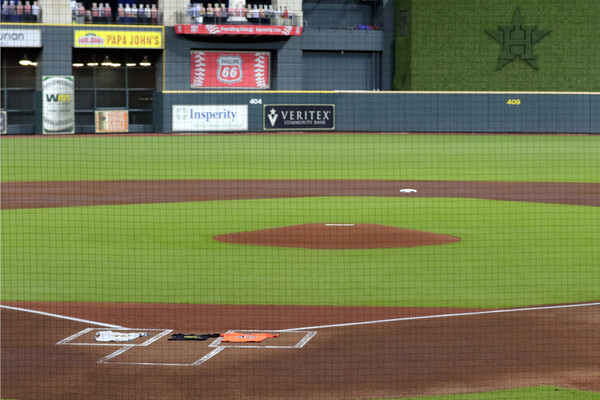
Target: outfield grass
533,393
428,157
510,254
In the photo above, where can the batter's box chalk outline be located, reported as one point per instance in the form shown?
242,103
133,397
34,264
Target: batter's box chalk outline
218,343
151,339
216,346
106,360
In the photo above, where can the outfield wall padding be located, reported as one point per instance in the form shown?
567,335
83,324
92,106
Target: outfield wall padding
414,111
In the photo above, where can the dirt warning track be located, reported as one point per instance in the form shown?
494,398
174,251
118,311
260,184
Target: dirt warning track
89,193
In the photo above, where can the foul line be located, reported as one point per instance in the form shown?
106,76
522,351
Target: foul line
380,321
87,321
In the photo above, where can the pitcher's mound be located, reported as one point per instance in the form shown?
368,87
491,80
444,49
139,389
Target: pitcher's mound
338,236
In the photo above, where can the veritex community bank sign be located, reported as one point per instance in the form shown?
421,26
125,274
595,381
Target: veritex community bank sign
299,117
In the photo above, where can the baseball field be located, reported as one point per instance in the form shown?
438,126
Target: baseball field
127,232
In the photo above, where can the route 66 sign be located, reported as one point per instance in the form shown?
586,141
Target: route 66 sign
230,69
234,70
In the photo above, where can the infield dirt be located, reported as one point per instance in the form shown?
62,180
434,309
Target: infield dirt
338,236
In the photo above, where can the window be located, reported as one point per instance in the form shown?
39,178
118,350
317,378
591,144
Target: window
114,79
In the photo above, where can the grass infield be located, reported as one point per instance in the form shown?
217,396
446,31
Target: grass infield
534,393
510,254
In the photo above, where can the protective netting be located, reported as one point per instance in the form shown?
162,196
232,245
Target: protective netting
285,199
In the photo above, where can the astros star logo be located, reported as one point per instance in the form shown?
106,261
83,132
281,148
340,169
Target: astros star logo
517,40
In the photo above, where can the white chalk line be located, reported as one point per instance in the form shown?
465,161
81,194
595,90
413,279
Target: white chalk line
75,336
208,356
86,321
105,360
305,339
381,321
122,350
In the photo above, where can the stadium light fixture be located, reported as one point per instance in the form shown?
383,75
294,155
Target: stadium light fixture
145,62
106,62
78,65
92,64
25,61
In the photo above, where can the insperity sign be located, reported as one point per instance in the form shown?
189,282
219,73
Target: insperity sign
197,118
299,117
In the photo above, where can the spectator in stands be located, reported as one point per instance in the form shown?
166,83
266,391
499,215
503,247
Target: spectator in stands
5,11
154,11
35,11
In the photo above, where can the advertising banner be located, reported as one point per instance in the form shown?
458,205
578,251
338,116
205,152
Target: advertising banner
191,118
299,117
239,30
3,122
112,121
119,39
58,104
20,37
238,70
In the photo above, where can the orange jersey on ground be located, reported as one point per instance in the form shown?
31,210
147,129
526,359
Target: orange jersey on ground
241,337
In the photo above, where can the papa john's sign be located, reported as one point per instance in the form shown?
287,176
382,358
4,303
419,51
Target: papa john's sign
119,39
238,70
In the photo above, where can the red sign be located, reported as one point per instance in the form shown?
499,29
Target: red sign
239,70
255,30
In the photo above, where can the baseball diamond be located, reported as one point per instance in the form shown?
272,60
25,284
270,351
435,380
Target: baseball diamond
300,199
427,351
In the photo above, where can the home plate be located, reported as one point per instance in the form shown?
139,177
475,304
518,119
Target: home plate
408,190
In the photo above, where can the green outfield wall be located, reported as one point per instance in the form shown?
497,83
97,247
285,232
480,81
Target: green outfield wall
446,46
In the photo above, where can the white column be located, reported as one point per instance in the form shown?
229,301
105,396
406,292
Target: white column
55,11
293,6
169,8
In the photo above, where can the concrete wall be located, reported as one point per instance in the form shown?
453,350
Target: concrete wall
338,14
289,55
